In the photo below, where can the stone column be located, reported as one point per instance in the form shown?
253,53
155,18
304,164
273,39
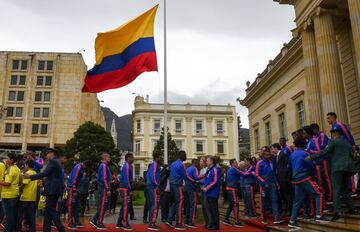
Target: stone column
354,9
312,75
331,80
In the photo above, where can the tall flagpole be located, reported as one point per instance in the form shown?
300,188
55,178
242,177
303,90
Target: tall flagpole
165,93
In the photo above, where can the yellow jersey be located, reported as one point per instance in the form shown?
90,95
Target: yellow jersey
29,192
2,172
12,176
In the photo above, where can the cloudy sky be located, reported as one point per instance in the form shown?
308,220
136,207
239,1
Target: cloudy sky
214,46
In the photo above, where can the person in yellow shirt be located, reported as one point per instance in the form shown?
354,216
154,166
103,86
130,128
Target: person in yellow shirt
28,197
2,174
10,192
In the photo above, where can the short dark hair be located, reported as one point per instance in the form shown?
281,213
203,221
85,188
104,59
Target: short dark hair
193,161
156,154
276,145
250,160
308,130
182,155
300,142
12,156
332,114
283,138
128,155
315,126
294,133
232,161
267,148
212,158
29,163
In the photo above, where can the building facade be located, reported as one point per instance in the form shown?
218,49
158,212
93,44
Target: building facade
197,129
315,73
42,95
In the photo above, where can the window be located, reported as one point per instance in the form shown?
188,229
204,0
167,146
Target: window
19,65
199,126
268,133
301,113
10,112
20,96
36,113
45,112
257,139
38,96
19,111
39,81
220,147
17,128
22,80
13,80
219,127
35,129
178,127
178,144
137,146
45,65
8,128
44,129
156,126
48,80
282,125
46,96
137,170
12,95
199,147
138,126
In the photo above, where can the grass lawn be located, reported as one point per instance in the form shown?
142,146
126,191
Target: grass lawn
139,198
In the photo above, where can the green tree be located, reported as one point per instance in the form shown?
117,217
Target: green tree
172,148
88,143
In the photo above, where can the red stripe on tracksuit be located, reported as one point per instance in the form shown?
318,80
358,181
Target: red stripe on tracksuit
316,189
328,182
261,204
102,209
153,221
252,199
125,206
180,205
353,189
70,206
233,191
194,213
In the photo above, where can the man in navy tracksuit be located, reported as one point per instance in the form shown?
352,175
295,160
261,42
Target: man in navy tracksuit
103,178
152,190
126,179
268,186
211,188
177,178
192,174
250,184
302,171
232,186
286,149
73,205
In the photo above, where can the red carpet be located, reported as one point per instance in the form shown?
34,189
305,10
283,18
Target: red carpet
142,228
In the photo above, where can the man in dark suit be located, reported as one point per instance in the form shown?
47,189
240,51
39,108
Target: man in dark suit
281,169
53,188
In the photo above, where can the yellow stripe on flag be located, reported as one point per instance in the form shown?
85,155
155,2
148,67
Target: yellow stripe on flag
117,40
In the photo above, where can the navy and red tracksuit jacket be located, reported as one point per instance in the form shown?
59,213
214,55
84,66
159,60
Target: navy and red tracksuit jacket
233,177
126,176
302,170
317,143
265,173
287,150
346,134
192,175
249,175
212,182
153,175
75,176
103,177
177,173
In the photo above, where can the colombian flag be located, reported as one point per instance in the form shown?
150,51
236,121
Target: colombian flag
123,54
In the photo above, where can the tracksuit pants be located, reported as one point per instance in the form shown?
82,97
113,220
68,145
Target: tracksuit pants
125,206
165,205
26,213
341,190
301,191
102,206
177,194
191,209
206,218
250,207
73,208
153,200
323,176
212,210
233,204
269,196
10,206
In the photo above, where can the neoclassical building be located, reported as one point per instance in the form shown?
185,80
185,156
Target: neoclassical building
315,73
41,92
198,129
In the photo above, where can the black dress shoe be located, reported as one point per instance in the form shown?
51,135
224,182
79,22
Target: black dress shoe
335,217
353,212
213,228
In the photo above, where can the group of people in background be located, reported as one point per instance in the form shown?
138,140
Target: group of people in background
299,178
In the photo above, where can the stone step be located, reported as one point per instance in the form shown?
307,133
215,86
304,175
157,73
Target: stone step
285,228
346,218
326,227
